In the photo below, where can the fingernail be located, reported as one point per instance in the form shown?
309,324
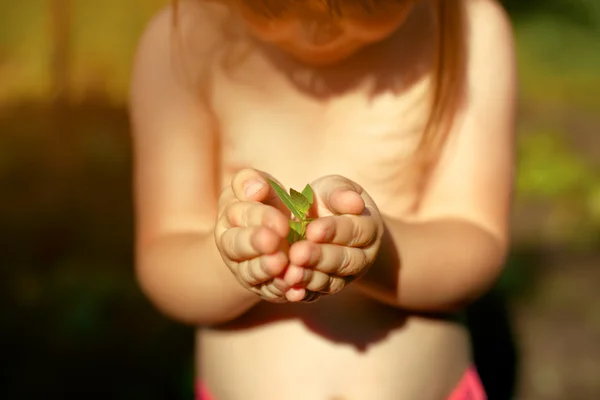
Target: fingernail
252,187
349,190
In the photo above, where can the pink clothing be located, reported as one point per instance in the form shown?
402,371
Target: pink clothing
469,388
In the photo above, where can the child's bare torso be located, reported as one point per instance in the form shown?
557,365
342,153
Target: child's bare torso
299,125
344,347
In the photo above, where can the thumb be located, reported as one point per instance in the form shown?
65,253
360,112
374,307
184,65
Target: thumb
340,195
252,185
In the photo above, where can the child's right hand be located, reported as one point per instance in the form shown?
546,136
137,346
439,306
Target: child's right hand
251,234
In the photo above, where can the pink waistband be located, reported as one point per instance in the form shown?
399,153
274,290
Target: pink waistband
469,388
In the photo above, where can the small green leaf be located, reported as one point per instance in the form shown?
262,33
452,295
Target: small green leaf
297,231
308,193
300,202
286,198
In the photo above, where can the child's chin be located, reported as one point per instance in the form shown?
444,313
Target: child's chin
321,58
322,61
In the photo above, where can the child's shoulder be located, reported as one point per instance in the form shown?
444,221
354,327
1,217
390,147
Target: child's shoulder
487,19
191,28
190,17
489,38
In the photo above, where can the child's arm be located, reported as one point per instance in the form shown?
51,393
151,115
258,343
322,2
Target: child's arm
454,250
176,183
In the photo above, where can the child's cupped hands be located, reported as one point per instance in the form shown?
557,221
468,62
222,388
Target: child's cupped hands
335,245
341,243
250,233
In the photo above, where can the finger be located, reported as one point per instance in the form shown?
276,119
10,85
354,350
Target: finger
252,185
313,281
338,260
249,185
277,286
344,230
295,275
306,254
295,295
345,201
323,283
340,195
300,277
245,215
241,244
271,293
262,269
333,286
266,295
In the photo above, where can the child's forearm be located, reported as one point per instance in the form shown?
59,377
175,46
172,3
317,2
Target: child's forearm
186,279
437,266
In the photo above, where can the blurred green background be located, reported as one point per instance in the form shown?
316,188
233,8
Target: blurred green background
75,325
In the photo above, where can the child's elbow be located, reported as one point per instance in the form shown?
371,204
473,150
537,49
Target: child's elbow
467,278
192,308
182,311
477,277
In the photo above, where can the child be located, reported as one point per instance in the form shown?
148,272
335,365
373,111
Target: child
400,115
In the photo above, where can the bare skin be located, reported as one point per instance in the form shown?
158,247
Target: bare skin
347,116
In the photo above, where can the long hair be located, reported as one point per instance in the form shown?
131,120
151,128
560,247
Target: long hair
447,72
448,77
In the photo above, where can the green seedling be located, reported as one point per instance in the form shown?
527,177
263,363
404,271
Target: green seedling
299,204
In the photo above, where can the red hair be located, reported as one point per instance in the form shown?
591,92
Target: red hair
447,71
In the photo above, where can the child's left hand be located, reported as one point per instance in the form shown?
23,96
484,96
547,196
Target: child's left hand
340,245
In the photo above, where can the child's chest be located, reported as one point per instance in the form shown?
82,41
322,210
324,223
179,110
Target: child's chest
270,125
